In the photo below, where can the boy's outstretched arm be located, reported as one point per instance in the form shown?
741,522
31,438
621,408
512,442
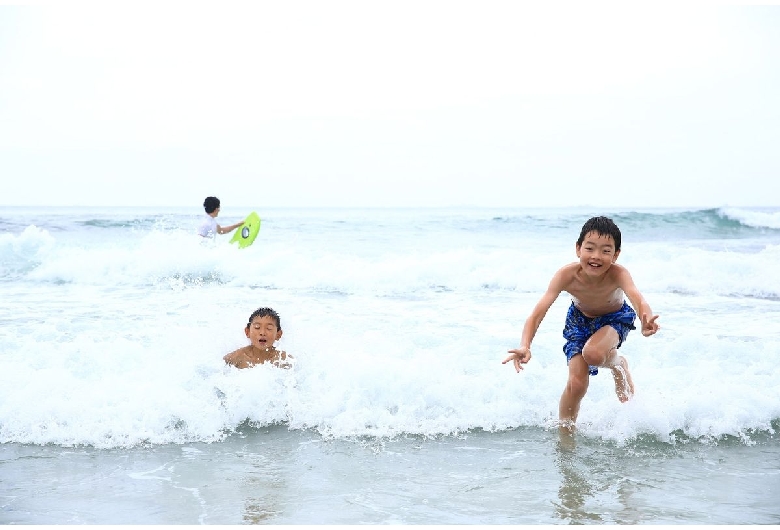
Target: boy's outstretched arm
642,308
226,229
520,356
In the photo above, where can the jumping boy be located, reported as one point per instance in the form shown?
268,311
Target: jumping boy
209,227
598,320
263,330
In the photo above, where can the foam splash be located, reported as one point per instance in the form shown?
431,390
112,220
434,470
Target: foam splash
381,369
177,260
23,253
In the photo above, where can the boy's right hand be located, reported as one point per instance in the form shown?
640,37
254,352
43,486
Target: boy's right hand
520,356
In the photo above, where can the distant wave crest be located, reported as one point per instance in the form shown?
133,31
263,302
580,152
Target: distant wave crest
752,218
666,224
158,222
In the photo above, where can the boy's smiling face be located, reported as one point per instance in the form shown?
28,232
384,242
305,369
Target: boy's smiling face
262,332
597,253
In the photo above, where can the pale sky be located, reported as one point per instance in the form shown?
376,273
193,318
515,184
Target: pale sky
390,103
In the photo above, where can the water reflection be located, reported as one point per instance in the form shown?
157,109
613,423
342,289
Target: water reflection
263,484
575,489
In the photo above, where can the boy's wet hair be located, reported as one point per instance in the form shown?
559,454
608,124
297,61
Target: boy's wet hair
265,312
211,204
603,226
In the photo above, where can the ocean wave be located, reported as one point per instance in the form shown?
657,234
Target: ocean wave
177,260
709,223
160,222
671,225
20,255
71,404
119,381
752,218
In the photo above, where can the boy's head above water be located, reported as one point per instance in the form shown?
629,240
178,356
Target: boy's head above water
210,204
264,328
603,226
265,312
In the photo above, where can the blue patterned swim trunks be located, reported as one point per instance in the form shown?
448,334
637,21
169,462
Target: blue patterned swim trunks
580,328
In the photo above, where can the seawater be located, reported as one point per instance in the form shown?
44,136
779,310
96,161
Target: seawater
114,322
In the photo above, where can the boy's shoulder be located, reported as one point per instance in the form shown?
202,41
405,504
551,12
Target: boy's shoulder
570,268
569,276
568,272
240,353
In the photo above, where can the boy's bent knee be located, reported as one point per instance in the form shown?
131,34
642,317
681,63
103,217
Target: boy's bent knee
594,356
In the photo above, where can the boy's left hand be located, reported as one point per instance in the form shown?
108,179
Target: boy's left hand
649,327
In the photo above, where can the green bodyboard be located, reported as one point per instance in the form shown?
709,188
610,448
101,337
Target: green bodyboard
246,233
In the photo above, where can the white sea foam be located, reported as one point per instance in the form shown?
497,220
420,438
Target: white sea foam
761,219
177,259
112,342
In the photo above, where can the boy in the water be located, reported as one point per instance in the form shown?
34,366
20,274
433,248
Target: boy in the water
598,320
263,330
209,227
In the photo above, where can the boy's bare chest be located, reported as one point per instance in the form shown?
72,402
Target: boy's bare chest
596,299
255,356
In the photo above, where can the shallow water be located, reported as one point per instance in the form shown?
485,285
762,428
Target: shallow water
273,475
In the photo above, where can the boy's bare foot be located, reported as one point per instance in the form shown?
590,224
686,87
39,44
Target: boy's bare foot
624,385
566,428
566,441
